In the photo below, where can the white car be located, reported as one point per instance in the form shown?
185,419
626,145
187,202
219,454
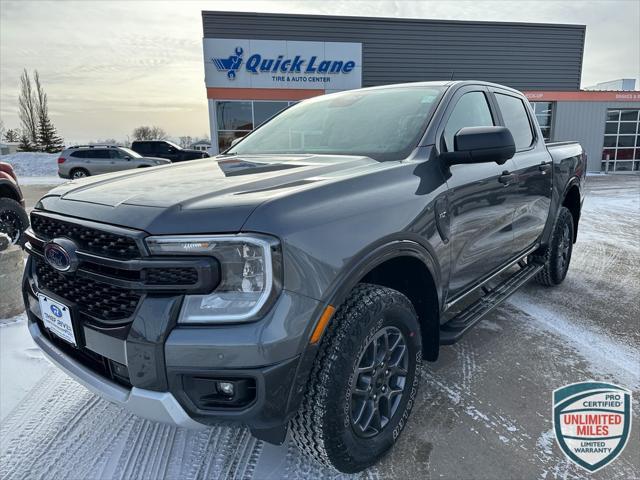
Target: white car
84,160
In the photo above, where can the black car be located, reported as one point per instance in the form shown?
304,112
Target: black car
166,149
298,281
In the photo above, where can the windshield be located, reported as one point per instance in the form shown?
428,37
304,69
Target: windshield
173,145
384,124
130,152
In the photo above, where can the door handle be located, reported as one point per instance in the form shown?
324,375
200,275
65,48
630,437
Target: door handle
544,167
506,178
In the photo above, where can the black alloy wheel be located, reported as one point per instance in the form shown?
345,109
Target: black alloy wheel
380,383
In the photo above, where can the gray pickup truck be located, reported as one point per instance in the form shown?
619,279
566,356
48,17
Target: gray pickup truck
296,282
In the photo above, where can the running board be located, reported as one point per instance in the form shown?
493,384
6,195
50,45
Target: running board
455,328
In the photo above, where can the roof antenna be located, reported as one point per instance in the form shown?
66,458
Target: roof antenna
452,74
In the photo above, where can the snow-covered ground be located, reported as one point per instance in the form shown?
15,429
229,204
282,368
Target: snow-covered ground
22,364
482,411
34,168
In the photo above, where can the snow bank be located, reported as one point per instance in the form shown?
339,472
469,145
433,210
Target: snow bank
33,164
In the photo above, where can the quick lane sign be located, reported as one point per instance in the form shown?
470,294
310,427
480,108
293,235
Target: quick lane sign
237,63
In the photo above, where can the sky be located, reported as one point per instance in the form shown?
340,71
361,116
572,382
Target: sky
109,66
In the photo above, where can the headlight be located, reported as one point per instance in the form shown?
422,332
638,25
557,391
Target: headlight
247,278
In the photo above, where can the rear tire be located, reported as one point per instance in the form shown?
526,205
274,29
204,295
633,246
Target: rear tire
13,220
557,255
77,173
366,371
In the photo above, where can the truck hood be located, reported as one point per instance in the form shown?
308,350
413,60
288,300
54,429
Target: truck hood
174,198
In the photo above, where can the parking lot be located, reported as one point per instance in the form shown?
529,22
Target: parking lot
483,410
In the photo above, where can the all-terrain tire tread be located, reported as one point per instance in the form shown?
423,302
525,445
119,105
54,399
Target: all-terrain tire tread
547,254
306,426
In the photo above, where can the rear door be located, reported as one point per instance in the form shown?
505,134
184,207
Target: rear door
100,161
532,167
479,204
143,148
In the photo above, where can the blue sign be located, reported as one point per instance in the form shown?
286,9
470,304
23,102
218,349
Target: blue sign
56,311
257,64
231,64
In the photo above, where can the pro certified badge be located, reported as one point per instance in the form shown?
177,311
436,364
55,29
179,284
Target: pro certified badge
592,422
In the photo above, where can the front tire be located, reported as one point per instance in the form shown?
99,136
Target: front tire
13,220
557,255
78,173
363,383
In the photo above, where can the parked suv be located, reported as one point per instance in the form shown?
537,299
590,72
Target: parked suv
13,217
84,160
297,281
166,149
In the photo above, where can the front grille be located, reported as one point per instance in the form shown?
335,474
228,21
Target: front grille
96,299
88,239
171,276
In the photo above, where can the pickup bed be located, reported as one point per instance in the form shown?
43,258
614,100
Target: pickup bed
296,282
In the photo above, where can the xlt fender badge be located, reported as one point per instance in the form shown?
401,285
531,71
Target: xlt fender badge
442,218
592,422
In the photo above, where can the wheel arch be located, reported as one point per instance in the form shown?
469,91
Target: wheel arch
571,199
408,267
8,190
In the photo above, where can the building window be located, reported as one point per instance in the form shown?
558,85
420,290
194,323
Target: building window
237,118
621,147
544,115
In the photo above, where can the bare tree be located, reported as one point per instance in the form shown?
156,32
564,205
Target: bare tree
149,133
28,111
185,142
158,133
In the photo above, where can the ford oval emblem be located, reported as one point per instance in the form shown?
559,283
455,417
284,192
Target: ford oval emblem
61,258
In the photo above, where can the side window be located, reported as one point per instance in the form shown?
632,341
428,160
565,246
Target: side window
100,154
472,110
116,154
79,154
515,117
143,147
160,147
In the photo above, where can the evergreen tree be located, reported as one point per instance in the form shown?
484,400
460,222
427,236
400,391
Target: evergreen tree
48,139
12,135
25,144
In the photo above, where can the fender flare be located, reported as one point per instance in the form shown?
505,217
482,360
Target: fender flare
376,254
556,203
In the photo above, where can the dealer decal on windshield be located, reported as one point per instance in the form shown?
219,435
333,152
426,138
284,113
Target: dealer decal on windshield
592,422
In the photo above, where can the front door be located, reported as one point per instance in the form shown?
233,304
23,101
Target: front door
479,198
533,169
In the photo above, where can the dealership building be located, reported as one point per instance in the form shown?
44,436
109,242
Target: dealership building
256,64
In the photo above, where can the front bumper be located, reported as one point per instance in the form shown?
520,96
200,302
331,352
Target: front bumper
156,406
161,358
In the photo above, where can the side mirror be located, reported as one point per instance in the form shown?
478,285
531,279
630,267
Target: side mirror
127,157
481,145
